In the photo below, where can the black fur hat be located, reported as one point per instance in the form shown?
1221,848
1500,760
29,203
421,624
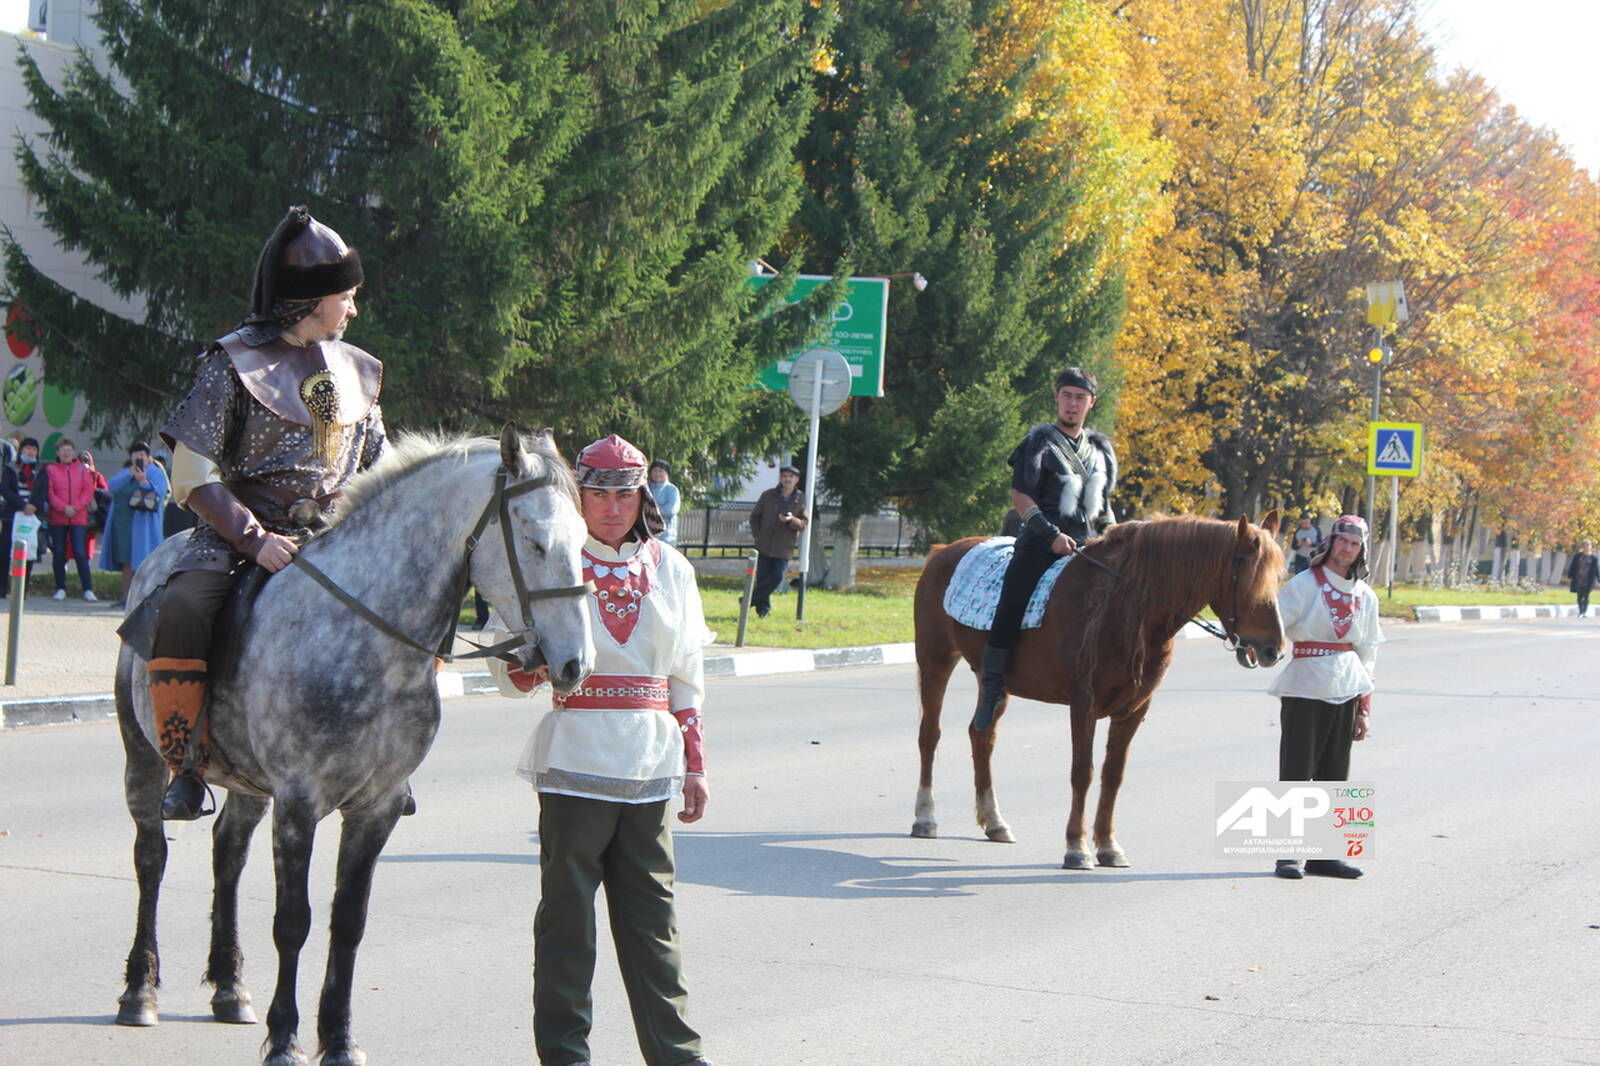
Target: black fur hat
302,260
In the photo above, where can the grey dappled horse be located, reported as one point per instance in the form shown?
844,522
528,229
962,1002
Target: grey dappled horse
320,711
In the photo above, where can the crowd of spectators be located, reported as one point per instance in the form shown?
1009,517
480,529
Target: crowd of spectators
68,508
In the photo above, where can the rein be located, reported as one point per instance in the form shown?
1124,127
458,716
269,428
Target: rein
498,507
1227,634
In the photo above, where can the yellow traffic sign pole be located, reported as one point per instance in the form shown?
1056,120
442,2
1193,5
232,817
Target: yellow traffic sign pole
1377,392
1394,524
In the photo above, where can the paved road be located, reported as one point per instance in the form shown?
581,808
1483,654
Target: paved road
817,932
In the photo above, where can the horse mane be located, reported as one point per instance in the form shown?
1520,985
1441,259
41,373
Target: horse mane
1180,558
413,450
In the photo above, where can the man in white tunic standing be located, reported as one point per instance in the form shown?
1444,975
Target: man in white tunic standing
1326,690
606,761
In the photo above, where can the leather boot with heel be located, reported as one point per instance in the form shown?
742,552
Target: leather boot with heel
991,685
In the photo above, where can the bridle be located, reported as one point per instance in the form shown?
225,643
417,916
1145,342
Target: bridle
1228,634
498,508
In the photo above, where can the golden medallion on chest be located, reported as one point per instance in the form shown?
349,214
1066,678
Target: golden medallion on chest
320,392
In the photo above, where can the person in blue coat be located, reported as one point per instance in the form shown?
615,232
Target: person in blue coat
133,525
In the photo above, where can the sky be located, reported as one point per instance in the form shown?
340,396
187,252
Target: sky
1538,54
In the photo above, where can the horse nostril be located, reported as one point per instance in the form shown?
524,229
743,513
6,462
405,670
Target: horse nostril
570,673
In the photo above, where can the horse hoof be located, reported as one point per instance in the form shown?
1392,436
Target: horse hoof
288,1055
233,1008
1111,857
927,830
1000,834
138,1012
1076,860
346,1056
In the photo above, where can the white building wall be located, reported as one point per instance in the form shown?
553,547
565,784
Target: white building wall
53,412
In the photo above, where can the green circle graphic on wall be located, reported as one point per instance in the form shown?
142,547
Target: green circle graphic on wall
58,405
47,452
21,394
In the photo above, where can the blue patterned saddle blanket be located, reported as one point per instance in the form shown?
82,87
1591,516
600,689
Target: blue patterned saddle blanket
974,590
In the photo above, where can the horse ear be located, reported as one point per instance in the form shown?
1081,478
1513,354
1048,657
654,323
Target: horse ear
1269,524
1244,527
511,455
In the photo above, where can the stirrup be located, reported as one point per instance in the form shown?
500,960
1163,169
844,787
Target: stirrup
183,803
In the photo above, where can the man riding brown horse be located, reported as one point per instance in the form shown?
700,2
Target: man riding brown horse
282,413
1061,479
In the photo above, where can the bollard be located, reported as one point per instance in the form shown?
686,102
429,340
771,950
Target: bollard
19,592
749,590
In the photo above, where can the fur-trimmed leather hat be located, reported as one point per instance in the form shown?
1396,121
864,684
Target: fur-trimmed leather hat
303,260
1346,525
613,463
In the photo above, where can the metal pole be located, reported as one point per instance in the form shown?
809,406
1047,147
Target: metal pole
19,592
811,486
1377,392
749,591
1394,527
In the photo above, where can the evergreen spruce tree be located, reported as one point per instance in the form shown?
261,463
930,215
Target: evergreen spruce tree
915,163
557,204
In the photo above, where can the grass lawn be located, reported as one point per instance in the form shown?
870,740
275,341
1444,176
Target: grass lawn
1408,596
877,611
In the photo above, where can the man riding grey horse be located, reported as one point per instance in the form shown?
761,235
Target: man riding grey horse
282,413
1062,475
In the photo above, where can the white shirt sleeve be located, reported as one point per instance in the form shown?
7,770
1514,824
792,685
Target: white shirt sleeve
190,470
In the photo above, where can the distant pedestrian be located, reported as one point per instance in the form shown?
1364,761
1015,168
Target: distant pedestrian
99,507
1307,539
1583,572
69,489
666,494
776,522
13,501
133,525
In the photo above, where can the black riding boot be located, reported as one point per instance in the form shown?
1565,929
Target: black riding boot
991,685
185,799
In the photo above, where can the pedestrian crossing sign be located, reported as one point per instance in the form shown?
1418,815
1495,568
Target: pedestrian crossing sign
1394,448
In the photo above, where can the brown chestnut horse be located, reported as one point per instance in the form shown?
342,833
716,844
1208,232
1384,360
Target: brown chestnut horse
1105,644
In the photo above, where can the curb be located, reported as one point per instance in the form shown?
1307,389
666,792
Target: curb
1478,614
99,707
76,710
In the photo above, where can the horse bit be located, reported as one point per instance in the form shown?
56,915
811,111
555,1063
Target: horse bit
498,507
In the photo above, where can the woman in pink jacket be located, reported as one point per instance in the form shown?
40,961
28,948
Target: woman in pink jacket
70,485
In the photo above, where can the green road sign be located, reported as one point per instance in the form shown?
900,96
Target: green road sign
859,330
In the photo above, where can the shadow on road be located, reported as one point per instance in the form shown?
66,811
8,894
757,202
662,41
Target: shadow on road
793,864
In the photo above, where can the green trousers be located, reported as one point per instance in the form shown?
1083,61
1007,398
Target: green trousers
627,847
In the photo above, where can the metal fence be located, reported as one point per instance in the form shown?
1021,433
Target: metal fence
724,529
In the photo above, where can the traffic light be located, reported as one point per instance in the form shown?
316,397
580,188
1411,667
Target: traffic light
1380,355
1375,355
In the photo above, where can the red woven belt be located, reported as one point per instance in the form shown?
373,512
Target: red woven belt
1315,649
617,692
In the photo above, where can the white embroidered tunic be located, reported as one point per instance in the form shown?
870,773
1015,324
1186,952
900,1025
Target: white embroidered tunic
620,735
1325,673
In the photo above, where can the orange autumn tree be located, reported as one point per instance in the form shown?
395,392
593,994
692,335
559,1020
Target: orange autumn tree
1317,148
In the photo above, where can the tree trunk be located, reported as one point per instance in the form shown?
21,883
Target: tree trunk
846,542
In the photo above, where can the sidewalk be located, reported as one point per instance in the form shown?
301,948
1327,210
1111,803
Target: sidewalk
67,657
68,653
